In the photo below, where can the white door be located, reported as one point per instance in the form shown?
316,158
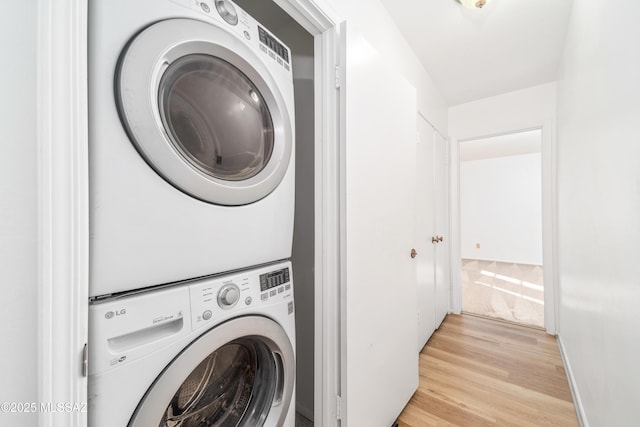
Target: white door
379,357
425,222
442,275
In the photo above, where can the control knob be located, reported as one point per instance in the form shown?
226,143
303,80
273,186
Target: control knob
227,11
228,295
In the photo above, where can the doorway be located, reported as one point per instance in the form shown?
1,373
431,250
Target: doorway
501,227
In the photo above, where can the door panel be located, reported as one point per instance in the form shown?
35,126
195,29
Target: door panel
380,361
425,221
442,274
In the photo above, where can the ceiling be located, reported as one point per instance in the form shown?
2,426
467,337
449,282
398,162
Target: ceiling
476,53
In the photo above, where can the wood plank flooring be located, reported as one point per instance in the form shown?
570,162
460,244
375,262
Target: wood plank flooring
481,372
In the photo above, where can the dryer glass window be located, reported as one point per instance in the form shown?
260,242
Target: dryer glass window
234,385
216,117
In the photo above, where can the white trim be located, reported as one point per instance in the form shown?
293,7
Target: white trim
328,244
448,183
581,414
549,218
549,230
455,250
321,23
63,232
314,18
341,190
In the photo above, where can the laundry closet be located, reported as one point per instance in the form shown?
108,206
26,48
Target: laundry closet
192,200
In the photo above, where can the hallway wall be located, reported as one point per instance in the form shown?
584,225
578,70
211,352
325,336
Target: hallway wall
19,210
501,210
512,111
371,19
599,205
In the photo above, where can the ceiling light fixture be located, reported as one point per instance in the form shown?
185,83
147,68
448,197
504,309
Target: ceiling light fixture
472,4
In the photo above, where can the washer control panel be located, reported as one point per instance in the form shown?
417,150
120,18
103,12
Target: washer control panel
216,298
127,328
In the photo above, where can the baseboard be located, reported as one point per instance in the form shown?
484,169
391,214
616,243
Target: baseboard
582,416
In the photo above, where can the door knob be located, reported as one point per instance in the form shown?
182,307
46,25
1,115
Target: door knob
413,253
440,238
434,239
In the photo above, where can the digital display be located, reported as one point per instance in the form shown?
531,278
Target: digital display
273,279
273,44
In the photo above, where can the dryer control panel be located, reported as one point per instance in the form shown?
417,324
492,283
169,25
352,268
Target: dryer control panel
239,21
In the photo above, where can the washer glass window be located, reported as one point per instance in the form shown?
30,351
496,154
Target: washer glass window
234,385
216,117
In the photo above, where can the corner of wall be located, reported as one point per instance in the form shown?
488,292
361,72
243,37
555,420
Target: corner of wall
580,412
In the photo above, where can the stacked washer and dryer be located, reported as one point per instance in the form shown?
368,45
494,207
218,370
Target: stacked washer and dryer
192,205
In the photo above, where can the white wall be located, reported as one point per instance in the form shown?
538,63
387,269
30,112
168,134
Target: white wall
504,113
18,209
500,201
372,20
599,208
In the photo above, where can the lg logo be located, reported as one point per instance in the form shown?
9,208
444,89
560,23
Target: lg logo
112,314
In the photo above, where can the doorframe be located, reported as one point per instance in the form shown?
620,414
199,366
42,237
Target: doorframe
63,206
549,220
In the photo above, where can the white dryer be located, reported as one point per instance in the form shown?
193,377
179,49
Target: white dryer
209,352
191,142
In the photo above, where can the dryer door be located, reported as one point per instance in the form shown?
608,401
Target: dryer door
204,111
240,373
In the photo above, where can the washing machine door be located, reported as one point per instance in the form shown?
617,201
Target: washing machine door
240,373
205,112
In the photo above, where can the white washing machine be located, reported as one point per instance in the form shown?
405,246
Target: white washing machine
191,142
209,352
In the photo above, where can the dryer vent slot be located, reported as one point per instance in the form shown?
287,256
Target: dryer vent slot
144,336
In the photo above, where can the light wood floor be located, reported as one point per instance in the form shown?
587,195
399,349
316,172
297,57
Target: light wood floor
480,372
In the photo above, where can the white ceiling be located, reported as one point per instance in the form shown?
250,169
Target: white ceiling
476,53
512,144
